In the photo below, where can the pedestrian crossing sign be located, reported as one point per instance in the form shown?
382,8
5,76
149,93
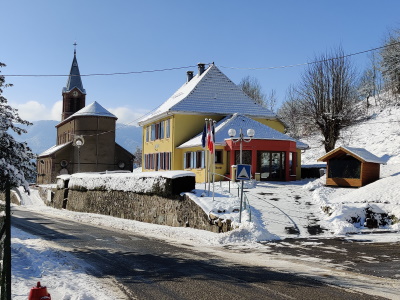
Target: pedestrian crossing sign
243,172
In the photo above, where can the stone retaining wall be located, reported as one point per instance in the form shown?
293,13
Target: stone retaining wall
169,208
14,198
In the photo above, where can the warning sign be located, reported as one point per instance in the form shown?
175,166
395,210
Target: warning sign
243,172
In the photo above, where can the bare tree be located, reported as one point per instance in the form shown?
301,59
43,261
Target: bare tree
290,111
370,82
252,88
366,86
270,100
376,76
137,160
390,62
328,96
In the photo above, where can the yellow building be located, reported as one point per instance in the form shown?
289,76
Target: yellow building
172,133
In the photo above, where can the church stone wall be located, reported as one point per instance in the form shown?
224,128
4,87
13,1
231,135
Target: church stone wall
124,156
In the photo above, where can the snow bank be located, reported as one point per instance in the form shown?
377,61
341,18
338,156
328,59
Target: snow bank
64,275
347,208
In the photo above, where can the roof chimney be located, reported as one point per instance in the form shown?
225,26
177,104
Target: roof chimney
189,75
201,67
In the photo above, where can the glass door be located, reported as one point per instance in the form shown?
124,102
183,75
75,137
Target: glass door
271,165
265,161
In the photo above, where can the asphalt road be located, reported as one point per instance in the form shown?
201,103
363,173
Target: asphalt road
360,256
153,269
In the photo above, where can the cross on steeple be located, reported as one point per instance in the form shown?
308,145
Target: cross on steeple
75,47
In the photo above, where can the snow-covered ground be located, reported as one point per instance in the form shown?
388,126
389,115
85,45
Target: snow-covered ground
278,210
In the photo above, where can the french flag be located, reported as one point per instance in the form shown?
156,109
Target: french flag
211,137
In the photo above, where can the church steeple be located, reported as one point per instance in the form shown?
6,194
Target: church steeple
74,78
73,93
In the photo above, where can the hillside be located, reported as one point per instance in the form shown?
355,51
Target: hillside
42,135
347,209
379,134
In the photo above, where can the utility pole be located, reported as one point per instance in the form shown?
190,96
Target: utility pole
7,246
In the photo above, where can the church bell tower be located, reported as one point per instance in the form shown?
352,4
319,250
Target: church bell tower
74,95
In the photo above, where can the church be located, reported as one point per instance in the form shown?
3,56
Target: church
85,137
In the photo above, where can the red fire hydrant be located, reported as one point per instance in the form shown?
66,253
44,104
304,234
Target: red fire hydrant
39,292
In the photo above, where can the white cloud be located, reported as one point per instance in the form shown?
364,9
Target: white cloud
56,111
126,115
32,111
35,111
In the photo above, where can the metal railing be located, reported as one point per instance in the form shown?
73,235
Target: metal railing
246,202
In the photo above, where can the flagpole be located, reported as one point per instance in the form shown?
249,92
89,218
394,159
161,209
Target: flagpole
213,154
203,144
209,155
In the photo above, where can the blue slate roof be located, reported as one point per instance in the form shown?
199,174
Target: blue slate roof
237,122
212,92
74,78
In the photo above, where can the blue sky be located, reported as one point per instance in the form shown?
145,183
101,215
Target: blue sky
124,36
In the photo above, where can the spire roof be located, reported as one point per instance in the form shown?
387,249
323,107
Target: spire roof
74,78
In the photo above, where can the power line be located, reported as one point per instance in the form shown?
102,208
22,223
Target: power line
313,62
100,74
226,67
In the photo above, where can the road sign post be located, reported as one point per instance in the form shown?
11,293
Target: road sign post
243,172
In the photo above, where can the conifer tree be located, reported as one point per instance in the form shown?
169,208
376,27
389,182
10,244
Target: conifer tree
16,159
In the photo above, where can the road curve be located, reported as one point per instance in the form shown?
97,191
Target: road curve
146,268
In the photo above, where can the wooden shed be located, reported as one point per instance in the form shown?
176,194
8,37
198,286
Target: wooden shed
348,166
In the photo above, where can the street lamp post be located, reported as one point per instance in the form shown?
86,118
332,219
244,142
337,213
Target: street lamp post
79,142
241,139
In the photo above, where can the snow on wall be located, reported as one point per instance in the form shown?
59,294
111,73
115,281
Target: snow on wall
143,182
